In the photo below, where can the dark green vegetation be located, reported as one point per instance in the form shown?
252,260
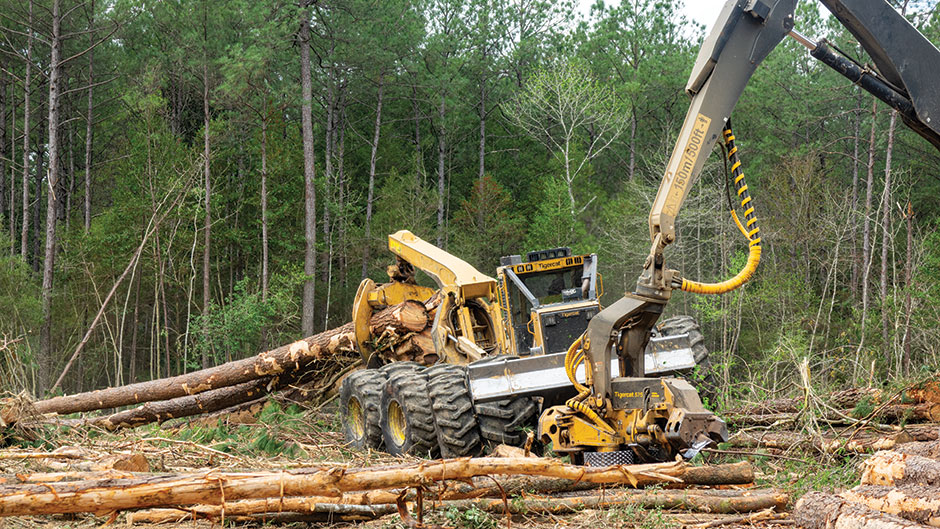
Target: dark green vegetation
177,131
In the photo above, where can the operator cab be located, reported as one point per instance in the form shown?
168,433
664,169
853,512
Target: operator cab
548,299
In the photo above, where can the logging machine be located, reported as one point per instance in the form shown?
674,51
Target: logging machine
537,336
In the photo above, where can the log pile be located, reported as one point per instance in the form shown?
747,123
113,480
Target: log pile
858,420
900,489
299,368
344,493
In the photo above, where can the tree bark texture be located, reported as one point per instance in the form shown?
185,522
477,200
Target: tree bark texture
100,496
922,412
407,317
893,468
372,159
89,121
917,503
310,174
928,449
819,510
927,392
207,226
48,267
24,232
708,501
791,440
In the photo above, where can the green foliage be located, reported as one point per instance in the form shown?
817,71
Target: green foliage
472,518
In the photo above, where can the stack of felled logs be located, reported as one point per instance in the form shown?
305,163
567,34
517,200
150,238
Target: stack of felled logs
861,421
313,365
900,489
343,493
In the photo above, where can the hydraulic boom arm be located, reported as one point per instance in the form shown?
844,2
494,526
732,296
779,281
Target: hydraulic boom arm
907,71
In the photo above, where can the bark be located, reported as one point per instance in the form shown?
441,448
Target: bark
406,317
830,444
89,121
207,175
418,348
927,412
206,402
310,190
928,449
48,268
819,510
886,234
372,160
707,501
866,230
847,398
3,147
264,202
857,123
213,488
24,232
916,503
908,286
893,468
441,150
928,391
12,169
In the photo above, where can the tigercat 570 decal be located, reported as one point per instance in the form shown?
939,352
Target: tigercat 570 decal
634,394
690,155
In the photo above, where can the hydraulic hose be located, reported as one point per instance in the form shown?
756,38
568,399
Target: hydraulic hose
573,358
749,229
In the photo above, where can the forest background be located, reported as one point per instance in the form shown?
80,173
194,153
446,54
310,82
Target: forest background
220,175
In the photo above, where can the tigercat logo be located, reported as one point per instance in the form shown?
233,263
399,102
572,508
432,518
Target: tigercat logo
634,395
684,172
569,314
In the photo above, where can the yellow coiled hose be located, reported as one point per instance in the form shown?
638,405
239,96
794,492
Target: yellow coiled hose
574,357
749,229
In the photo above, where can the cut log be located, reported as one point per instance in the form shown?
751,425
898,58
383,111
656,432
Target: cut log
892,468
710,501
214,487
418,347
862,443
928,449
206,402
403,318
918,503
897,413
818,510
928,391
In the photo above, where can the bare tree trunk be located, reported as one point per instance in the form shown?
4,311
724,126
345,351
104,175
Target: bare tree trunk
66,212
341,184
132,368
866,232
12,169
631,171
328,189
906,355
482,152
89,119
38,183
45,335
855,143
372,159
264,200
441,150
3,145
207,228
310,191
886,235
24,233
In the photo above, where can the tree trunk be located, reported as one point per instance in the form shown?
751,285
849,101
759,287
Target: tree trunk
48,268
200,488
819,510
207,226
264,203
482,150
917,503
310,190
401,319
829,445
854,207
12,169
3,146
89,118
886,237
24,232
893,468
441,150
908,287
372,159
866,233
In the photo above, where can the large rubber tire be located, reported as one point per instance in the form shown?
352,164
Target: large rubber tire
506,421
407,417
701,376
360,398
458,431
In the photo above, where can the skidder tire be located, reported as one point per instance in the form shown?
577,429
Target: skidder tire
701,376
407,416
458,432
360,398
505,421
